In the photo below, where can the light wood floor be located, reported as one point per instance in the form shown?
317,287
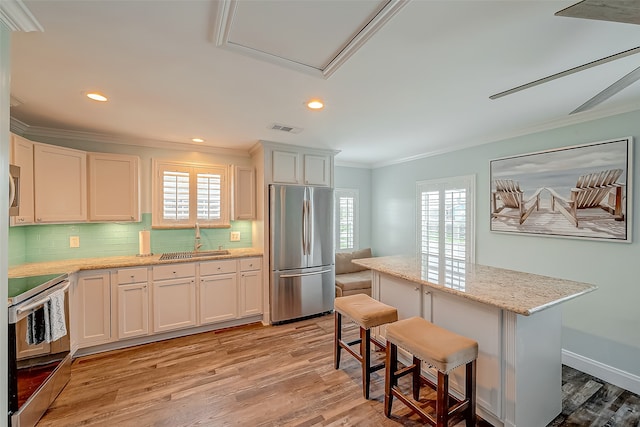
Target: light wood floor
248,376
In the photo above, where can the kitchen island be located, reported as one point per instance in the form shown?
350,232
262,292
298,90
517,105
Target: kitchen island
516,318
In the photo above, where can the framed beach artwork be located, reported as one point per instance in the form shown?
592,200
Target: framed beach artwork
583,191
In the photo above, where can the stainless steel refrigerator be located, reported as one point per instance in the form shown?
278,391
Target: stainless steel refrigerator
302,253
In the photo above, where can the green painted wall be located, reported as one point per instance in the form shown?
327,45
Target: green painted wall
603,325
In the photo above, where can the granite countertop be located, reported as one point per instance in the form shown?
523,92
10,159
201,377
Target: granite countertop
74,265
515,291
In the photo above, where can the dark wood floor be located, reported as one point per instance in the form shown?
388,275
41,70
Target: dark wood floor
267,376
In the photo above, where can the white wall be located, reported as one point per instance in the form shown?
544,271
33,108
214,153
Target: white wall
601,326
360,179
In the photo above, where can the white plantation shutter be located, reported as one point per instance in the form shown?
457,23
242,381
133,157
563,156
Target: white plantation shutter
446,214
346,219
185,194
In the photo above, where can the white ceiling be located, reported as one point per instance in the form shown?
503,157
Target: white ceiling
420,84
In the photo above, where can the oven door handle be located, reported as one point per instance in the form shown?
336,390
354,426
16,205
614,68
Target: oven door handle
40,302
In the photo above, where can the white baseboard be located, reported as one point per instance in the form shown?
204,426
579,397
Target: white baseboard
607,373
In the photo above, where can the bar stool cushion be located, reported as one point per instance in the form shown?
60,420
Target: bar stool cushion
365,311
436,346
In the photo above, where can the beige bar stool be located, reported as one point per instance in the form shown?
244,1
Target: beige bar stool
366,312
441,349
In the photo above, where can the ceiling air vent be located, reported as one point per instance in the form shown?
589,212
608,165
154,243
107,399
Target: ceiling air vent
285,128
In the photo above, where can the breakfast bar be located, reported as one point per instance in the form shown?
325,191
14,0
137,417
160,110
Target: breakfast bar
515,317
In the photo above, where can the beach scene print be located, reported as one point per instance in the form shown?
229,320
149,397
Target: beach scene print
578,191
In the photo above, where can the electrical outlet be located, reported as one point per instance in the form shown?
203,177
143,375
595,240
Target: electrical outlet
235,236
74,241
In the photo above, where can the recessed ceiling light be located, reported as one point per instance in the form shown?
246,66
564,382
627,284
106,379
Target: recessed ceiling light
197,140
315,104
97,96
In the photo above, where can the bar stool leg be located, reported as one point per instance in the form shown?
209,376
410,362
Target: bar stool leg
416,378
442,404
337,336
390,379
470,386
365,350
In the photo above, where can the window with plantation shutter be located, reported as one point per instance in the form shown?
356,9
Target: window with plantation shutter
346,217
445,228
186,193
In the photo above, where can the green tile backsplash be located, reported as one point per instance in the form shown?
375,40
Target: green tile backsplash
37,243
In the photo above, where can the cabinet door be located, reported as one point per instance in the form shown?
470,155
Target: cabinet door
174,304
94,309
285,167
244,193
250,293
133,310
218,298
317,170
113,187
22,155
60,184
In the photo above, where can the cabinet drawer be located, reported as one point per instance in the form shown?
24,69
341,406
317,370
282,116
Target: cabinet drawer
174,271
250,264
218,267
132,275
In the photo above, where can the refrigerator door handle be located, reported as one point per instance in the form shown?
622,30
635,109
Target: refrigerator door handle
307,247
288,276
304,227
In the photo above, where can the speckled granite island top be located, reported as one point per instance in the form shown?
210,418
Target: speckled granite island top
79,264
521,293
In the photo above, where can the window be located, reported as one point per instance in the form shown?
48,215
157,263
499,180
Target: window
346,213
445,228
186,193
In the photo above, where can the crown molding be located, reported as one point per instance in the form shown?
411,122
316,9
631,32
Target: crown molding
569,120
353,165
37,132
17,17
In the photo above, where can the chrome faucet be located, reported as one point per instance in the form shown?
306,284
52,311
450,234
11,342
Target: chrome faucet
197,245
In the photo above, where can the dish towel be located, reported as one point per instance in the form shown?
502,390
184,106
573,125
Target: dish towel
35,327
48,322
54,320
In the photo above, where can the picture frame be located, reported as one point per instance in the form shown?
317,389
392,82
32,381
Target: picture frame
582,191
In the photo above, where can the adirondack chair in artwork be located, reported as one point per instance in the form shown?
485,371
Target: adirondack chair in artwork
590,191
508,201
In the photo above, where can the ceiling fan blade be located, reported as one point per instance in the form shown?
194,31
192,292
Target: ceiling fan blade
616,87
626,11
568,72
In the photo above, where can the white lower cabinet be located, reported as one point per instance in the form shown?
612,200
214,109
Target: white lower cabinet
174,297
250,288
218,291
133,303
93,299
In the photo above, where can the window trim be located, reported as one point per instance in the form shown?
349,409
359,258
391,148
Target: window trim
157,219
347,192
464,181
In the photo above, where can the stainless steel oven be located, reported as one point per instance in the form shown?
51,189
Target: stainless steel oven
39,371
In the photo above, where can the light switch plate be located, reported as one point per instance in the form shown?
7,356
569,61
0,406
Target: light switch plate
74,241
235,236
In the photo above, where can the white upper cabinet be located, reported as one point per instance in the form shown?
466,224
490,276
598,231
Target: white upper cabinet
286,167
60,184
317,170
290,164
244,193
22,156
113,187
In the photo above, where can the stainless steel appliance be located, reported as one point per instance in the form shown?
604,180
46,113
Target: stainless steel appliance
14,190
301,251
38,372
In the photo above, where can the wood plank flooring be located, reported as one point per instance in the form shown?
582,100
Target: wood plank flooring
267,376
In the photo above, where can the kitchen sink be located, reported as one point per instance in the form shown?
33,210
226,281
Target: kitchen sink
192,254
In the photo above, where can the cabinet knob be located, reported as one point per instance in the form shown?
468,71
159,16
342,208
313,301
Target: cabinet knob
416,288
38,219
131,218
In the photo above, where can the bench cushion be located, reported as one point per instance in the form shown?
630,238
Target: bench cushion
366,311
436,346
352,281
344,264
